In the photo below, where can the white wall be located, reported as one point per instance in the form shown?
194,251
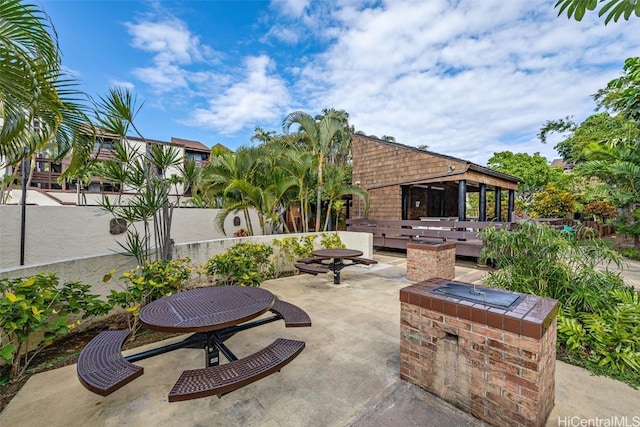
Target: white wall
91,269
55,233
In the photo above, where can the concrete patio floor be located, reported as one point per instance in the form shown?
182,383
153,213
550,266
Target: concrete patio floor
348,374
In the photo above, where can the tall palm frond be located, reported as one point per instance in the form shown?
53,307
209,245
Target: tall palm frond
33,86
321,132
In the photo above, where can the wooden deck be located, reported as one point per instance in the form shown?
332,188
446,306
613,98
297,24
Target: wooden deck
396,234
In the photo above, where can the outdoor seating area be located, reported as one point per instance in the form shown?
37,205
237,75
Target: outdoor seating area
347,375
213,315
397,234
326,260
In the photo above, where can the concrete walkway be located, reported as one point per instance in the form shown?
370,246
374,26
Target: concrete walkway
348,374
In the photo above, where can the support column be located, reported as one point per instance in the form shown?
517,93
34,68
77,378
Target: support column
482,214
498,204
512,205
462,200
405,201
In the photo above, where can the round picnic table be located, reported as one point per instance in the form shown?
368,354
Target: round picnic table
336,256
206,309
212,315
337,253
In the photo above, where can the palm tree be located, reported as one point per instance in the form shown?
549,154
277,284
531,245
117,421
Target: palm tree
218,182
188,176
301,165
619,167
33,87
335,187
266,196
321,131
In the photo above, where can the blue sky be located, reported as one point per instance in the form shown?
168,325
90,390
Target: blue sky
467,78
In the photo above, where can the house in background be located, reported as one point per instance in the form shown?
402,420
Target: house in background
408,183
46,173
559,163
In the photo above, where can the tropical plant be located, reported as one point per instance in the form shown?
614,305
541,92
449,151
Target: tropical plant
535,258
321,132
6,186
289,249
600,317
621,171
622,95
601,210
606,146
630,226
553,203
612,9
331,241
33,88
336,187
244,264
300,165
145,173
146,283
609,337
219,183
35,310
265,198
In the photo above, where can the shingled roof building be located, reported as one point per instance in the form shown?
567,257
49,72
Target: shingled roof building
408,183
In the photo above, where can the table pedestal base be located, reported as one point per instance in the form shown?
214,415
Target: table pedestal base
212,355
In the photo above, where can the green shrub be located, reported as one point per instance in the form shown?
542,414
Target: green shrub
600,210
553,203
599,324
291,248
631,253
609,337
35,310
245,264
147,283
331,241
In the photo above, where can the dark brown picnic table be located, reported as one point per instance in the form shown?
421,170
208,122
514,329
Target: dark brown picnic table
336,257
212,315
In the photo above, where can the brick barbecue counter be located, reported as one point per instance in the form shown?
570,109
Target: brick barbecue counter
496,364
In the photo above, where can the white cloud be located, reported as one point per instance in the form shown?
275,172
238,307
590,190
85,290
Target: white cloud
170,40
260,96
291,8
123,84
281,33
466,79
173,48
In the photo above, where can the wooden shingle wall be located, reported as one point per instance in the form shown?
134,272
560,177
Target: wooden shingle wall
380,167
376,164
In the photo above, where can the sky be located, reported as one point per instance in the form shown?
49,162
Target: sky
466,78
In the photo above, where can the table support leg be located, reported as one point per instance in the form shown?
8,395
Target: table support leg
337,266
217,342
212,355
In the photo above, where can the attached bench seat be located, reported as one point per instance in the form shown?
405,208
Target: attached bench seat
102,368
311,260
365,261
230,376
311,269
292,315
